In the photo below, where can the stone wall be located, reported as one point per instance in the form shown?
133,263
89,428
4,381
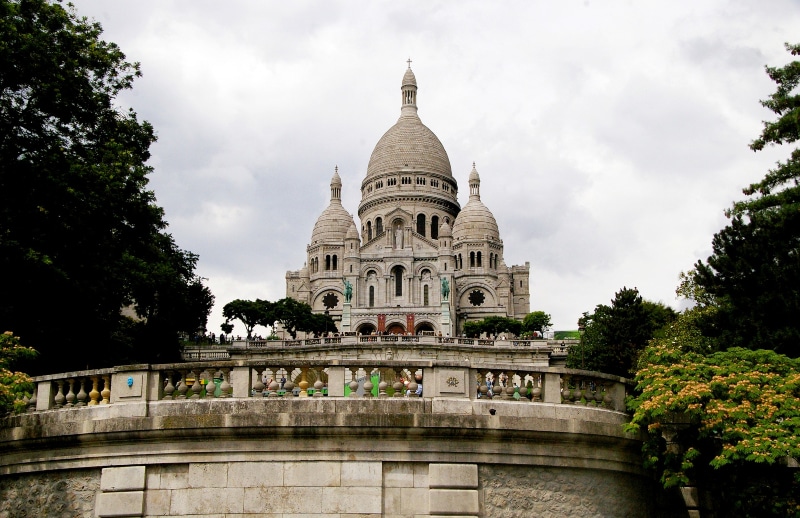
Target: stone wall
55,494
546,492
324,457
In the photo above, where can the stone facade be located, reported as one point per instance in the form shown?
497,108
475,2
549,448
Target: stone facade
419,262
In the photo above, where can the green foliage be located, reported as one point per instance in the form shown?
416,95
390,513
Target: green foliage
13,385
536,321
614,335
250,313
492,326
722,413
80,234
753,273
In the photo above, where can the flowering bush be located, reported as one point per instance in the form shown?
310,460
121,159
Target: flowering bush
13,385
713,415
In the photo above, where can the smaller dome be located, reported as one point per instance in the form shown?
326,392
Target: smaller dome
409,79
475,221
304,271
332,225
444,230
352,232
473,175
336,180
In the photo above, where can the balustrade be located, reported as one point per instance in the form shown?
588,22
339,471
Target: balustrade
297,377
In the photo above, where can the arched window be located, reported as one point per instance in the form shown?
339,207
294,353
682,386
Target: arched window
378,227
369,230
351,268
421,224
371,296
479,260
434,227
336,267
425,295
398,280
472,259
327,262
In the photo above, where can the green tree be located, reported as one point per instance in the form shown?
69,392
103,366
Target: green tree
294,316
536,321
492,326
614,335
250,313
727,421
754,271
14,386
80,235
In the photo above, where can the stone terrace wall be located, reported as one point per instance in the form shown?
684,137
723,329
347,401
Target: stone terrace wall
324,457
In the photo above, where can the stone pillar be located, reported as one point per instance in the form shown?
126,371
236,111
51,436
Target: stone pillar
551,392
336,377
240,379
45,396
444,321
346,317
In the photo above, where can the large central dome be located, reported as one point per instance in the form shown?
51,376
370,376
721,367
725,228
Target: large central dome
409,144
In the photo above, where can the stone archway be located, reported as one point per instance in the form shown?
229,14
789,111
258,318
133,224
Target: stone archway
366,329
425,327
395,329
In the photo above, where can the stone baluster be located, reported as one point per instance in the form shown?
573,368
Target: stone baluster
258,386
598,394
196,386
398,385
537,388
523,388
60,399
303,382
169,388
318,386
289,385
81,396
225,388
275,384
211,387
105,394
183,387
353,382
368,385
70,394
577,393
565,392
608,401
508,393
482,387
94,394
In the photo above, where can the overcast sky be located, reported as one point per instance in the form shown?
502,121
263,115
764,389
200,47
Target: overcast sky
610,136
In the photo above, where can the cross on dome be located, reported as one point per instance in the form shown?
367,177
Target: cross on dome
409,62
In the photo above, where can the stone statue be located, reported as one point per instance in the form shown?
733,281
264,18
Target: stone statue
398,237
348,290
445,289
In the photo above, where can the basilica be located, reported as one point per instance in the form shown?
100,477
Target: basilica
417,262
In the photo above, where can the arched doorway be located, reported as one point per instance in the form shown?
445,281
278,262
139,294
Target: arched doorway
396,329
366,329
424,328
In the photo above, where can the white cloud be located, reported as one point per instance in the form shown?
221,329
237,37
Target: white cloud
609,136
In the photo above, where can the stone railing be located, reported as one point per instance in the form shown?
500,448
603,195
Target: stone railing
287,377
556,351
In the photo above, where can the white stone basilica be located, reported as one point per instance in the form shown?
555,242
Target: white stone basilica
420,263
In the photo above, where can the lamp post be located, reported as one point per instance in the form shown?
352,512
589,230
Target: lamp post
581,329
327,315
